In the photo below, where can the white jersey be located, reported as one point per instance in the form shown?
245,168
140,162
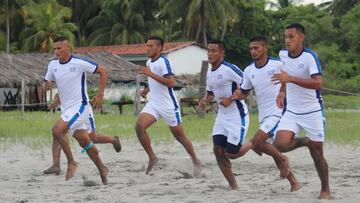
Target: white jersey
223,81
259,79
301,100
161,95
70,79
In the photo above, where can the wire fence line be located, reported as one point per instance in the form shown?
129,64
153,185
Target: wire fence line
184,91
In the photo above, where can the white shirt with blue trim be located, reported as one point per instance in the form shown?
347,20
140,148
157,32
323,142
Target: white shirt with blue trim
70,79
259,79
161,95
223,81
301,100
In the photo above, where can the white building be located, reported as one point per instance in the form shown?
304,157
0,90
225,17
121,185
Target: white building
186,57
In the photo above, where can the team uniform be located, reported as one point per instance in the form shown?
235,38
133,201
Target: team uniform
90,127
259,79
232,122
304,107
70,78
162,101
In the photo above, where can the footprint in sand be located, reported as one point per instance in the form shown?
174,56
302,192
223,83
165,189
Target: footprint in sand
136,170
33,180
88,183
90,198
185,175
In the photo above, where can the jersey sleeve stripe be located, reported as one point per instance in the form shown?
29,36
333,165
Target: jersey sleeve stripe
316,58
234,68
167,63
87,60
96,69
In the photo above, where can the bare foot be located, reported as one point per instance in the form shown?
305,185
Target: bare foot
284,168
325,195
151,165
197,169
71,170
295,185
103,174
234,187
53,170
117,144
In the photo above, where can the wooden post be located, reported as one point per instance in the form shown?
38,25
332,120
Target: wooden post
251,101
202,89
137,101
22,97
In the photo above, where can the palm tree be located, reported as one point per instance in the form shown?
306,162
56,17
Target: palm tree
11,23
83,11
338,7
201,18
118,23
44,21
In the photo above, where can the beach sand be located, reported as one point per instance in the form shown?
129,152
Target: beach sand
22,179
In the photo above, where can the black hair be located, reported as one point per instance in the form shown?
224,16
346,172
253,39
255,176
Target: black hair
60,39
157,38
220,43
259,39
297,26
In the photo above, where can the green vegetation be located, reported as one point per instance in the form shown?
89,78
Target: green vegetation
332,28
342,102
35,128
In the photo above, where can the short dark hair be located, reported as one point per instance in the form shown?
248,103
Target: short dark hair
259,39
297,26
60,39
220,43
157,38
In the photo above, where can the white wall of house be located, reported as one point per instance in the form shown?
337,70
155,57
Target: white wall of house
188,60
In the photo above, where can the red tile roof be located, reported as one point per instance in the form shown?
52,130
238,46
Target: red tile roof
134,49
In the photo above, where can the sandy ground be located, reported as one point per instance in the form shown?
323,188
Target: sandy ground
22,179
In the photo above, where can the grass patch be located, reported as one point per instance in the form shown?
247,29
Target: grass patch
35,128
343,127
341,102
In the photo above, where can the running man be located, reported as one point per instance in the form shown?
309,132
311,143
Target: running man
162,104
232,120
95,138
301,78
68,72
257,76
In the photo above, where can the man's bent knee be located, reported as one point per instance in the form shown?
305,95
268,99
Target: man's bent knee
317,154
219,151
139,128
86,147
282,147
231,156
57,132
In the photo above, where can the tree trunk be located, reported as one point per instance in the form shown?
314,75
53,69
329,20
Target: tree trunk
76,20
202,89
137,101
203,20
223,32
7,28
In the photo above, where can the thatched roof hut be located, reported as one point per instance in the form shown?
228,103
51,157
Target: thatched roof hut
32,67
